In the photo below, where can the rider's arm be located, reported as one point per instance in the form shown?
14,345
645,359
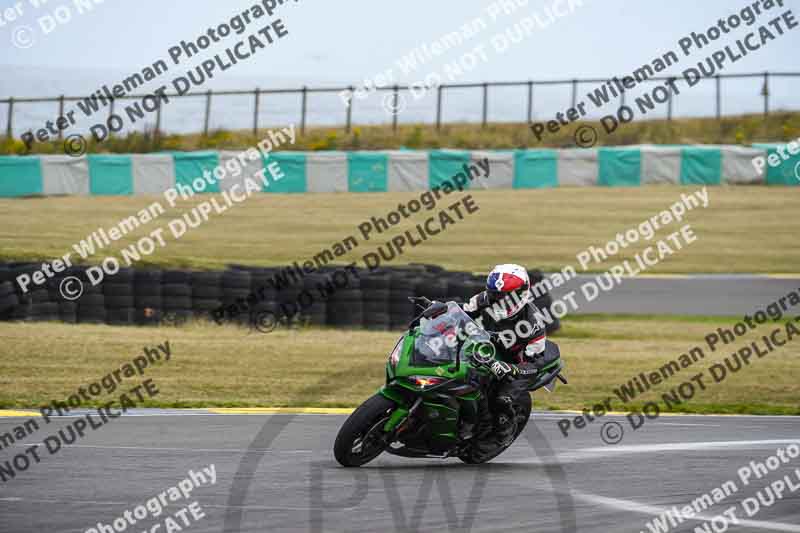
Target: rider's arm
538,338
502,370
476,304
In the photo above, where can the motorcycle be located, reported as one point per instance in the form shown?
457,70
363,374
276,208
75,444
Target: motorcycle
435,376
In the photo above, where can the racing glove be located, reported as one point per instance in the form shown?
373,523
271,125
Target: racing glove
501,369
476,303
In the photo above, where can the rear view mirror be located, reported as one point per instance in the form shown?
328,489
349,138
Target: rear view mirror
435,309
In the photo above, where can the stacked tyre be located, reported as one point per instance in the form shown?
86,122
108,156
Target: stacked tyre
344,303
92,302
401,309
264,309
119,298
473,285
313,306
376,292
235,286
8,299
22,311
176,296
66,310
290,304
42,309
334,296
432,287
147,297
459,285
206,293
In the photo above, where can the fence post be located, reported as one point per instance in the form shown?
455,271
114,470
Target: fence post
208,113
669,101
111,112
439,108
60,114
485,104
349,110
719,97
766,94
395,109
10,122
255,111
574,92
157,132
530,102
303,110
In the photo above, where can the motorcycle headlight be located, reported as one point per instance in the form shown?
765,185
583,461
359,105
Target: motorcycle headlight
426,381
394,357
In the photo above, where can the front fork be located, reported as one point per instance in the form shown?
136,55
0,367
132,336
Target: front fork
402,413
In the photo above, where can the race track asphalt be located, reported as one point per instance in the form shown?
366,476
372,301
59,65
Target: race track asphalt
699,295
277,473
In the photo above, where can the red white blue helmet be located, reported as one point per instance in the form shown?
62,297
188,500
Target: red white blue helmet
509,289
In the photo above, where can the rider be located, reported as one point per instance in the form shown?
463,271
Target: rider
506,309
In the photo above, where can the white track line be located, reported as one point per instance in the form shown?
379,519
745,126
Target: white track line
654,511
716,418
688,446
591,454
687,425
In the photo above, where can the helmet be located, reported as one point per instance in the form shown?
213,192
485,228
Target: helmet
508,290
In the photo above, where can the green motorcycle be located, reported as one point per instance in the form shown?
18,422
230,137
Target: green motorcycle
436,375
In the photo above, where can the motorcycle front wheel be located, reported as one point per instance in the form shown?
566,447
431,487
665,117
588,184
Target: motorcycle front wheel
361,439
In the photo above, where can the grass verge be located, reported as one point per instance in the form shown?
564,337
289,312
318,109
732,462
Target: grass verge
744,229
225,366
741,129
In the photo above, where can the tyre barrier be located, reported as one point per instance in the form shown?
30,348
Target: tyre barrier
331,296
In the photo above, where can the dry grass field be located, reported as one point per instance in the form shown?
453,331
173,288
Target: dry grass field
744,229
226,366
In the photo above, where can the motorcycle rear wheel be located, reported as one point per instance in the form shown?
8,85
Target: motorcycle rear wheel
522,408
361,439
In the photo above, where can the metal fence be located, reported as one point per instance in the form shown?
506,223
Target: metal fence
396,90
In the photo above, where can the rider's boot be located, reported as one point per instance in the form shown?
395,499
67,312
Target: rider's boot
505,423
467,430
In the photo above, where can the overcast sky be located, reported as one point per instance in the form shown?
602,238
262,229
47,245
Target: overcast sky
345,41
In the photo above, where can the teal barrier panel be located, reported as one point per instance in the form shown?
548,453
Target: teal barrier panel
444,165
292,176
20,176
787,173
619,167
701,166
110,175
535,169
190,165
367,172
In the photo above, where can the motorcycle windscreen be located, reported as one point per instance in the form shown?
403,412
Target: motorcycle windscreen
432,350
442,337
